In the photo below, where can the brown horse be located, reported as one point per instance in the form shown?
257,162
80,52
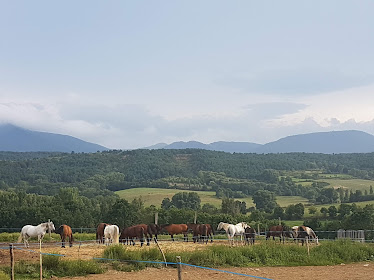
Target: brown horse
65,231
100,232
176,229
210,232
279,231
152,229
130,233
199,232
250,234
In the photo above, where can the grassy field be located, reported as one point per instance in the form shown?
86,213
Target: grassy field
351,184
155,196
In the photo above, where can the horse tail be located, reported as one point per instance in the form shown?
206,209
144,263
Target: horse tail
116,235
19,240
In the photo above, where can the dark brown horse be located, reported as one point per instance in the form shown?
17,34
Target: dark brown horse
199,232
130,233
250,235
152,229
100,232
173,229
279,231
210,232
65,232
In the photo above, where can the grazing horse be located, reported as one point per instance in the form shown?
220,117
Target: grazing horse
199,232
233,230
35,231
279,231
65,232
173,229
111,234
152,229
304,233
100,232
250,234
128,234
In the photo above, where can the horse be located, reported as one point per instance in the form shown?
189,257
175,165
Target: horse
279,231
304,233
65,231
152,229
35,231
199,232
250,234
210,232
233,230
100,232
128,234
111,234
173,229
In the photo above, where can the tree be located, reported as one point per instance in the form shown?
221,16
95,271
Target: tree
187,200
264,200
333,211
166,203
312,210
278,212
324,211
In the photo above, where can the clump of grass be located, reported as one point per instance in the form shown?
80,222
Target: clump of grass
55,266
3,275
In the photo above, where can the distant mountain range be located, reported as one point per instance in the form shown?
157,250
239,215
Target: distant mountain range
16,139
349,141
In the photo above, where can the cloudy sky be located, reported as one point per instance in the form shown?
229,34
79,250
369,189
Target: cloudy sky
129,74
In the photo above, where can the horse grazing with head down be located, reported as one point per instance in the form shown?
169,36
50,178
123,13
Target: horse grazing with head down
100,232
304,233
173,229
279,231
65,232
111,234
233,230
250,235
35,231
134,232
152,229
199,232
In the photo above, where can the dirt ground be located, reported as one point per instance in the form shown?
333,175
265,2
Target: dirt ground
338,272
87,251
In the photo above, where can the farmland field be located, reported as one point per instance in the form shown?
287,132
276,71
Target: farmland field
155,196
351,184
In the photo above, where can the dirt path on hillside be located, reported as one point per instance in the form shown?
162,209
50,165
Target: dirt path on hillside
338,272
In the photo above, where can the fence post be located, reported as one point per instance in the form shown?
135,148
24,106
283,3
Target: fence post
179,268
11,261
49,231
195,218
41,259
156,218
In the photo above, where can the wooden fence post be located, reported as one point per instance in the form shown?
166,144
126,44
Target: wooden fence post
156,218
11,261
195,218
179,268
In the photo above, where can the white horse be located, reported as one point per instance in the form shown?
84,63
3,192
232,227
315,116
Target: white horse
35,231
233,230
111,234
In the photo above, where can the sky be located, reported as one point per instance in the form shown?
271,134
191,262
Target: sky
130,74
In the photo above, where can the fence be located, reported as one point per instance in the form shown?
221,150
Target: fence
356,235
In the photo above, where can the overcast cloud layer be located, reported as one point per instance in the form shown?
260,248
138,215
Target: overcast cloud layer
129,74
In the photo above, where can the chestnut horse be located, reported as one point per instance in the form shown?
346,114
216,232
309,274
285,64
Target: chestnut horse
279,231
65,231
100,232
128,234
210,232
176,229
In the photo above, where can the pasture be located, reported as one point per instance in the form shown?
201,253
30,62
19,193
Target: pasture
154,196
350,184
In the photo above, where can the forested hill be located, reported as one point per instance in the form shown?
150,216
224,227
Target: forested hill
102,172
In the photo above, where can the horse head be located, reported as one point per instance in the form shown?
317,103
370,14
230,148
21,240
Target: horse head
220,225
51,227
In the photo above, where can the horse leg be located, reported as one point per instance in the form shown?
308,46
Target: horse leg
63,241
172,237
149,238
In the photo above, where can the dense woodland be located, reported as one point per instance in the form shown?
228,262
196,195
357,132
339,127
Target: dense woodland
78,189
